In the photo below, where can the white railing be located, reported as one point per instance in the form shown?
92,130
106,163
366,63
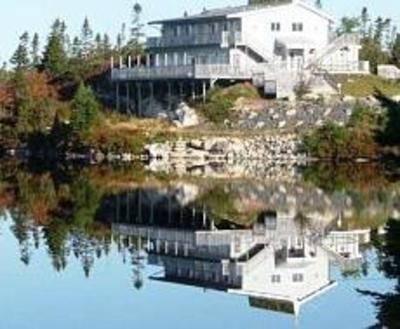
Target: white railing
253,42
197,71
153,73
340,42
360,67
210,71
186,40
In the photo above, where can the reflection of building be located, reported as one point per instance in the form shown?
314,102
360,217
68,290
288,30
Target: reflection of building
274,264
345,247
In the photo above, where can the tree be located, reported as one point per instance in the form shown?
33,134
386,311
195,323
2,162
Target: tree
85,110
20,57
136,31
35,50
86,38
365,22
76,48
349,25
395,51
318,3
55,57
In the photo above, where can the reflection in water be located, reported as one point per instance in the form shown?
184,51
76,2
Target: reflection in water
275,242
278,263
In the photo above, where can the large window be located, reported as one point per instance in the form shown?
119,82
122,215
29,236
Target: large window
297,27
275,26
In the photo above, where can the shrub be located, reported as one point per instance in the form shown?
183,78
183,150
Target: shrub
220,101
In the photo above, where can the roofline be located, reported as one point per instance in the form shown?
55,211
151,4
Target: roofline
303,4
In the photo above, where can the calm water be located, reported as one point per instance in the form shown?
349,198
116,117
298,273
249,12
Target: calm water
119,248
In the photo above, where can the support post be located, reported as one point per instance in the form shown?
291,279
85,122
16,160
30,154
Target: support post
129,62
120,62
193,90
138,60
117,96
204,91
139,99
169,96
128,99
181,94
151,85
148,60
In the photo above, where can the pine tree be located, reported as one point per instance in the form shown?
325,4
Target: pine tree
395,51
98,41
318,3
136,31
106,44
54,57
76,48
86,38
20,57
35,50
85,110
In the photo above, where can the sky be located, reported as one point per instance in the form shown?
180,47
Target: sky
17,16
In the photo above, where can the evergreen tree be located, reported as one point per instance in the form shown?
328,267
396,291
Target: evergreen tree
364,22
20,57
136,31
106,44
76,48
98,41
54,57
35,50
395,51
85,110
349,25
86,38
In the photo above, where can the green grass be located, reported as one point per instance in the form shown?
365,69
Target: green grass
363,86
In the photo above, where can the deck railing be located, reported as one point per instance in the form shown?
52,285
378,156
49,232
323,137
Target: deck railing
197,71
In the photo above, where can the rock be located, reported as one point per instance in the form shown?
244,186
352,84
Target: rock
282,124
185,116
348,99
291,113
260,125
396,98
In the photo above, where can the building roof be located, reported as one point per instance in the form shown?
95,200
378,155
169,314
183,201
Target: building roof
221,12
230,10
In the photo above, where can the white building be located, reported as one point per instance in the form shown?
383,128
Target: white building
274,46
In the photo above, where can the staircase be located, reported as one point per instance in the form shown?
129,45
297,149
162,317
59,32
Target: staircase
253,48
339,43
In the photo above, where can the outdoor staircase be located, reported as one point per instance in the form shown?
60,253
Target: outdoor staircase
340,42
253,49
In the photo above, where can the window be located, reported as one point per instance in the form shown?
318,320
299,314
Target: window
275,278
297,27
176,31
298,277
275,26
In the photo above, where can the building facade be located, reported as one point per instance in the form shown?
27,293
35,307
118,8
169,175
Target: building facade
275,46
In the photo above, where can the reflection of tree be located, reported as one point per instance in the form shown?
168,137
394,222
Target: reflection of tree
388,305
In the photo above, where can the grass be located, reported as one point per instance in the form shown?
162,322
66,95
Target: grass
367,85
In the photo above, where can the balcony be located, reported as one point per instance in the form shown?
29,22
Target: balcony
197,71
224,39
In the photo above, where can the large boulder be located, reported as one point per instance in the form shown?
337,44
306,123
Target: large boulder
185,116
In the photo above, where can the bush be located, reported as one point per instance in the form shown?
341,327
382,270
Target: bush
220,101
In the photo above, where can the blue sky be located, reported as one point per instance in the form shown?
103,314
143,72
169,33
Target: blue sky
17,16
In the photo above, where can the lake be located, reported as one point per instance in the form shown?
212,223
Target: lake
123,247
